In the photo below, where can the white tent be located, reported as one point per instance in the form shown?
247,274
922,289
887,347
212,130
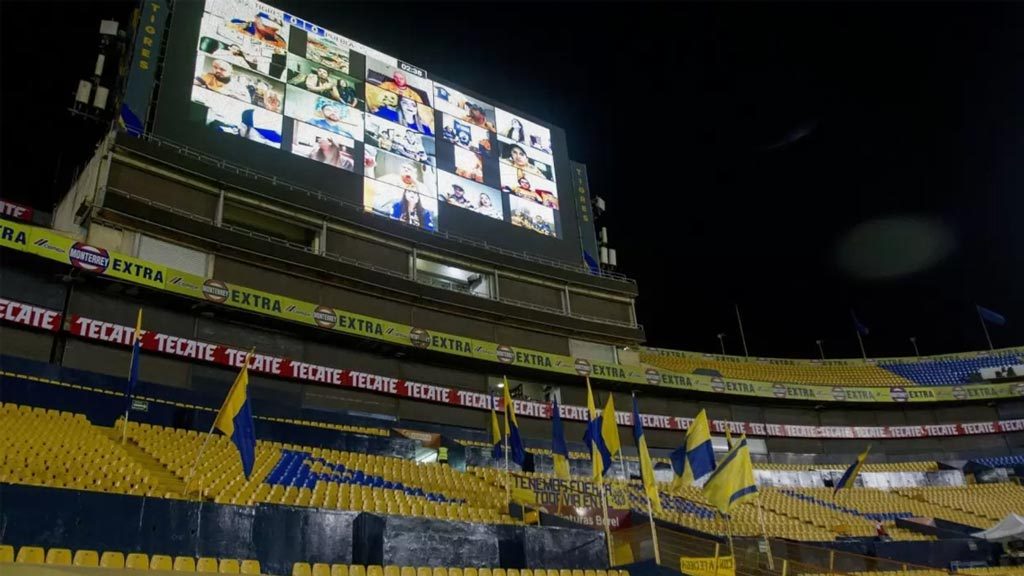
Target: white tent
1009,528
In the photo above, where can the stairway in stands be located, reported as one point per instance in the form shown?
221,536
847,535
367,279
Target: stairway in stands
168,482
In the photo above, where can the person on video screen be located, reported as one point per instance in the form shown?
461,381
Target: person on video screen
330,152
406,178
399,85
220,79
331,116
474,170
263,27
540,225
477,118
412,146
521,161
383,104
385,140
525,190
516,132
411,211
486,208
319,82
233,53
410,116
262,94
458,197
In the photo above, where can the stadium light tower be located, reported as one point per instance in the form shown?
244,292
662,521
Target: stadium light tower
93,94
721,341
821,347
913,342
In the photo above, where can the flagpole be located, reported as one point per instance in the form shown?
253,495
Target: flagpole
860,341
984,328
195,463
131,367
607,528
743,338
764,533
728,532
508,482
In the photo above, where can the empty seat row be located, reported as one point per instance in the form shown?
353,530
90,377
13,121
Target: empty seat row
323,569
133,561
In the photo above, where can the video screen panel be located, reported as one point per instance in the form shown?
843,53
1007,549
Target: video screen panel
366,127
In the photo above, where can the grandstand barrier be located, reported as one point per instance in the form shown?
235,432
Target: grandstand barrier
279,535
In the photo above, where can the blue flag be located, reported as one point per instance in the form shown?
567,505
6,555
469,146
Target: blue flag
234,419
861,328
991,316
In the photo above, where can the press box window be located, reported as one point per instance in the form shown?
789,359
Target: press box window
454,278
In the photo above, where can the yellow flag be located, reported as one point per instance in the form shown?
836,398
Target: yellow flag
610,428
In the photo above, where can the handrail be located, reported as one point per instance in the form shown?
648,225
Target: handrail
275,181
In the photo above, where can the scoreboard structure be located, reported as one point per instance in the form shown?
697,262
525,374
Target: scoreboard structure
259,86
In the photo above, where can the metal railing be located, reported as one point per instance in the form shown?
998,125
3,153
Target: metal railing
222,164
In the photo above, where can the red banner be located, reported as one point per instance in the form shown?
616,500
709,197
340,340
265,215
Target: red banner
26,314
29,315
16,211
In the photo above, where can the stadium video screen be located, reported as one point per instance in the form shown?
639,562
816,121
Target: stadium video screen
265,76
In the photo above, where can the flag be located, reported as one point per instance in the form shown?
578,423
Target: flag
851,473
678,459
515,441
733,481
497,450
610,428
991,316
133,368
600,458
646,466
559,449
700,455
235,419
860,327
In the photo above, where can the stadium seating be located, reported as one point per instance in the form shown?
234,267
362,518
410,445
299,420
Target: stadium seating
803,373
136,560
905,372
945,371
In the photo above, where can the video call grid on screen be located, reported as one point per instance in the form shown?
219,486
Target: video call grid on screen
263,75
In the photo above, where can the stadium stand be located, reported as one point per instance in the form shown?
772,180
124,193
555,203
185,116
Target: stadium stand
924,371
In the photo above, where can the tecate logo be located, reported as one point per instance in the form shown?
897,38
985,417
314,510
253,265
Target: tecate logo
779,390
419,337
898,394
582,366
89,258
718,385
325,317
505,354
215,291
839,393
652,375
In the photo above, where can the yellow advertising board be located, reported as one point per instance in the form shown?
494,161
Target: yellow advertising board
709,566
55,246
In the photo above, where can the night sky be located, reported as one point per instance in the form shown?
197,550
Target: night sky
801,160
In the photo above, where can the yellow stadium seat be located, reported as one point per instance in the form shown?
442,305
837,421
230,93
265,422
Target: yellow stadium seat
184,564
30,555
356,570
111,559
392,570
160,562
485,572
333,569
526,572
374,570
440,571
301,569
589,573
564,572
577,572
137,561
6,553
512,572
455,572
408,571
228,566
424,571
469,572
58,556
250,567
87,558
207,565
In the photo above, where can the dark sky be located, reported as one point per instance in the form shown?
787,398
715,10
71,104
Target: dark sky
797,159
